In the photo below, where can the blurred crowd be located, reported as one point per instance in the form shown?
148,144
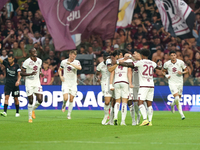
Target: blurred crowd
23,27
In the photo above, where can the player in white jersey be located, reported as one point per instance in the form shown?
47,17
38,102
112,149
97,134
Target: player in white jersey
175,69
69,80
121,89
32,70
146,90
134,91
105,82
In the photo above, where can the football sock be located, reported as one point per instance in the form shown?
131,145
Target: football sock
64,102
111,114
116,110
150,113
17,108
132,112
70,107
180,108
145,105
124,111
30,109
136,108
5,107
143,111
36,105
106,109
176,99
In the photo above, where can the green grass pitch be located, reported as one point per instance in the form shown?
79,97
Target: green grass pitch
52,131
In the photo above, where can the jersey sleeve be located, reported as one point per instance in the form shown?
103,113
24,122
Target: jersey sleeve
183,65
25,64
98,67
154,65
78,63
165,66
18,68
62,64
108,62
137,63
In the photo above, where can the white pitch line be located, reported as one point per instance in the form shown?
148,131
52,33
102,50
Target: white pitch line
95,142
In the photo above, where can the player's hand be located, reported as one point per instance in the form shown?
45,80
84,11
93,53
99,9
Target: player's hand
42,75
131,85
12,32
68,63
111,87
180,73
62,78
167,76
34,73
17,83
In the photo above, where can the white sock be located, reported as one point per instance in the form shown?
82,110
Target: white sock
150,113
30,109
70,107
124,111
116,110
180,108
106,110
132,112
136,107
143,111
145,105
36,105
111,114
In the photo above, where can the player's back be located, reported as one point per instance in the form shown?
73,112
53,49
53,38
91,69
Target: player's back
145,68
102,67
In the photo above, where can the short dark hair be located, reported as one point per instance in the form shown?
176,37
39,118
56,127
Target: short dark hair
138,51
145,52
30,50
172,52
116,52
10,55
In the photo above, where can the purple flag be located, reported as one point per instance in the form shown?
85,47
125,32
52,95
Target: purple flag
2,3
65,18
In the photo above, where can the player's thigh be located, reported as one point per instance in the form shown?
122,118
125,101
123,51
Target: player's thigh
38,89
7,89
15,92
29,90
173,88
150,94
117,91
124,90
180,89
142,94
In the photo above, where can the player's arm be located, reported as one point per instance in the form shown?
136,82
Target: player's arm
78,67
23,73
111,68
18,78
159,64
111,80
164,72
130,73
185,71
125,64
97,76
60,74
1,61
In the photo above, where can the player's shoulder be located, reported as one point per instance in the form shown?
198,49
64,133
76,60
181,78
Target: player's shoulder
129,60
167,62
180,61
27,60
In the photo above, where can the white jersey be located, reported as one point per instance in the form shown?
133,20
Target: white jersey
121,73
135,78
173,69
102,67
70,73
30,66
145,69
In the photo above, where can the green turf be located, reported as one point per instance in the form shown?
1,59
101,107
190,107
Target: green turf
52,131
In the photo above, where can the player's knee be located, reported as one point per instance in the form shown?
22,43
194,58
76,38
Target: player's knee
107,103
40,100
30,102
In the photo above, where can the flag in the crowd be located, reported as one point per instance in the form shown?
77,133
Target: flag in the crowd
2,3
86,17
177,17
125,13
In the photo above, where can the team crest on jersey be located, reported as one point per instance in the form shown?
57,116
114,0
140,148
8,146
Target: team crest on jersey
69,68
174,69
31,63
35,68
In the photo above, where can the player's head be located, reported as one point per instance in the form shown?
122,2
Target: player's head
117,54
126,56
145,53
137,54
11,59
33,52
172,55
106,56
72,55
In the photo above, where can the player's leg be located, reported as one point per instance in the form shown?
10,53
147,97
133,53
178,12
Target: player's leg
39,100
174,92
112,110
135,101
117,102
106,109
15,94
130,105
178,105
65,91
7,91
70,107
30,107
149,101
141,97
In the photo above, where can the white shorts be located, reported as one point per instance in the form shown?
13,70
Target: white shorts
69,89
106,90
130,96
146,94
121,90
135,92
30,90
176,88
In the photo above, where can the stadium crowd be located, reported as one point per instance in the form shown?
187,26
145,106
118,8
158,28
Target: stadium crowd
23,27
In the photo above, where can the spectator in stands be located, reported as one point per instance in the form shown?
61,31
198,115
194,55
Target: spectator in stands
140,31
155,23
120,43
6,32
108,45
149,7
53,58
90,51
2,74
196,72
19,53
36,24
116,47
187,51
156,43
17,18
82,50
4,54
9,10
96,48
48,77
122,35
129,48
51,47
37,38
138,42
158,55
46,53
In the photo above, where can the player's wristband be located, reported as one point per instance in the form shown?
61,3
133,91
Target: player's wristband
111,86
117,62
167,76
130,56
